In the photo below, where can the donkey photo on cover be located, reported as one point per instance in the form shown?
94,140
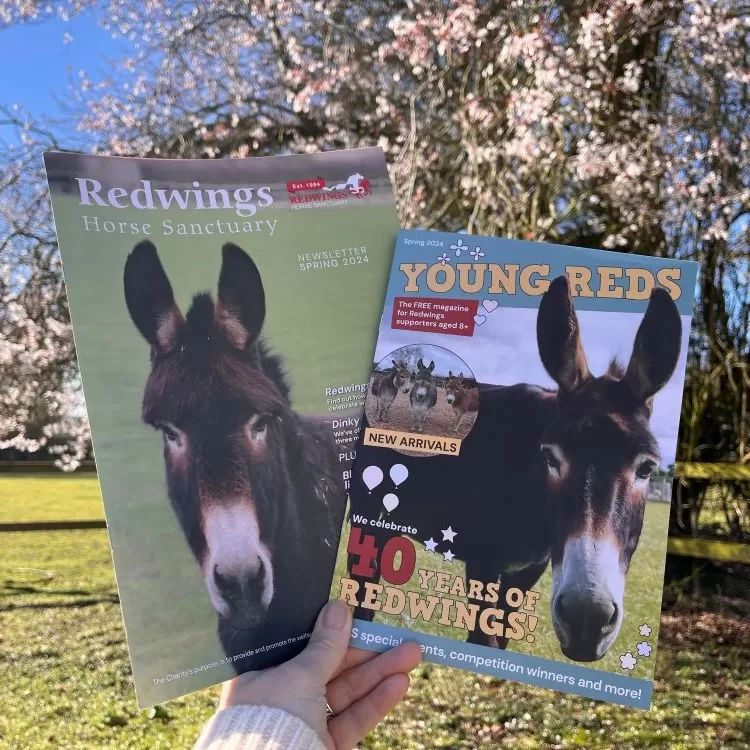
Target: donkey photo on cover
423,394
556,476
256,487
463,400
387,385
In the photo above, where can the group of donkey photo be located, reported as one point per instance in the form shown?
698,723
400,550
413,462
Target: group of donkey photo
560,475
407,394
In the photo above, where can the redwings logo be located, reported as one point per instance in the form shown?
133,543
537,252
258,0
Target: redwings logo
318,192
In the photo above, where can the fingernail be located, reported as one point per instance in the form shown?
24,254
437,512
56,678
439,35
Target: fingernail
336,615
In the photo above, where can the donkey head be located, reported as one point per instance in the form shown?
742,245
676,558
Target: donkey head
453,387
421,380
599,453
401,376
218,401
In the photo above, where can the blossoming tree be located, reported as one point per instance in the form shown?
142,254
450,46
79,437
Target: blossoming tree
613,123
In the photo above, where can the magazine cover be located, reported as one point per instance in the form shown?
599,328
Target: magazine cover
224,317
510,494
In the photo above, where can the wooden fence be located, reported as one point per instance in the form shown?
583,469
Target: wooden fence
709,549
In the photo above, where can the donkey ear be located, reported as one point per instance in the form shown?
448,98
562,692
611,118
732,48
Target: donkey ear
432,366
450,373
559,337
394,363
241,308
657,347
149,297
420,365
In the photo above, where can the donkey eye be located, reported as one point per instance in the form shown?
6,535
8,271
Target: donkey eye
553,461
171,434
258,426
645,469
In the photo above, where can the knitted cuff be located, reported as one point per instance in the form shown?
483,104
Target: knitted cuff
257,728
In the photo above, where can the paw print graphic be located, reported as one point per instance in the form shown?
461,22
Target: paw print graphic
628,661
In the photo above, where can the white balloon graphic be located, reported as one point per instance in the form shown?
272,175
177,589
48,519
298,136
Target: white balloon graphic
372,477
390,501
399,473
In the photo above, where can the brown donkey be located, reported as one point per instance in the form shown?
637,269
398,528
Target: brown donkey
257,488
462,400
551,475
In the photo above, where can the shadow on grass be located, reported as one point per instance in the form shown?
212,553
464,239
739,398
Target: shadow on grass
75,604
14,590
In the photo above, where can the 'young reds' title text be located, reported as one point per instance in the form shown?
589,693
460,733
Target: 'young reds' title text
612,282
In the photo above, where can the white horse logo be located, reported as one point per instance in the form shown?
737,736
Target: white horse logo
353,184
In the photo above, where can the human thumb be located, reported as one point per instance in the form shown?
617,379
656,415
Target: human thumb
328,642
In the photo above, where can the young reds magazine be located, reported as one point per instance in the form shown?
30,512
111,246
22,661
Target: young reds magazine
224,316
510,493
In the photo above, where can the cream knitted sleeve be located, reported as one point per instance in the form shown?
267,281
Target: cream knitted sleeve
257,728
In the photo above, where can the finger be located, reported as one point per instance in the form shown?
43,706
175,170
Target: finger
349,727
328,642
354,656
358,681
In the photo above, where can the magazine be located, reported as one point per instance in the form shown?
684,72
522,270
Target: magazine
223,313
510,494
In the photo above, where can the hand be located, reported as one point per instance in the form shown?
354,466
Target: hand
361,687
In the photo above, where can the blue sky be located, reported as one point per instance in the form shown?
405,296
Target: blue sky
35,60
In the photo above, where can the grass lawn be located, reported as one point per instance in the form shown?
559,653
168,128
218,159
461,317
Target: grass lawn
66,678
50,497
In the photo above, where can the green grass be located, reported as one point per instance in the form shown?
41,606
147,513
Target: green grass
67,681
45,497
63,655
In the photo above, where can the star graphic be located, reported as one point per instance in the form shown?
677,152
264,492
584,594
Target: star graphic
645,630
448,534
448,556
644,649
430,545
628,661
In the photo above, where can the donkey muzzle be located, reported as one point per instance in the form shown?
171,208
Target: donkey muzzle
588,587
588,619
237,568
243,595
